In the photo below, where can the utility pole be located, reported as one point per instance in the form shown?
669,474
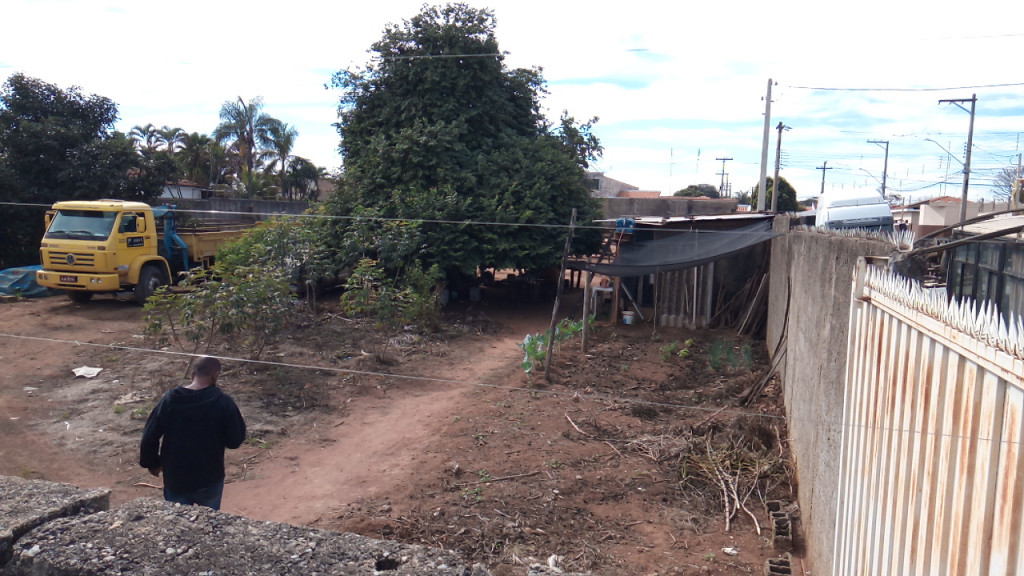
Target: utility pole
764,148
721,187
970,138
885,168
778,157
1013,189
823,168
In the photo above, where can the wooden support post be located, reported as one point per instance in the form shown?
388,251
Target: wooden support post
615,302
558,296
710,288
587,304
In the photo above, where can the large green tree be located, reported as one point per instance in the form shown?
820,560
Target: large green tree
436,130
59,144
787,196
698,191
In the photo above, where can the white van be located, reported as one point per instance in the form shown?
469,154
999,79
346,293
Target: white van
861,209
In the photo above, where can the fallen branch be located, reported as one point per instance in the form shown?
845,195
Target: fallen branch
499,479
148,485
577,427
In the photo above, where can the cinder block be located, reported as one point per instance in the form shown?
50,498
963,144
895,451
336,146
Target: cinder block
782,532
782,566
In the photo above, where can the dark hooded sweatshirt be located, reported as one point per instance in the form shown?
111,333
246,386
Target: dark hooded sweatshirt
196,427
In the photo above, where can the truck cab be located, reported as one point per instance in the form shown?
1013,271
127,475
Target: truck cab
102,246
865,210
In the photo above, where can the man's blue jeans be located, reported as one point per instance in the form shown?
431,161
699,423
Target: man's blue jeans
209,497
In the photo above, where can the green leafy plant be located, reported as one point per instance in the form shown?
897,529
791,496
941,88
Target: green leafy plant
475,493
244,305
747,352
535,346
720,355
674,349
723,356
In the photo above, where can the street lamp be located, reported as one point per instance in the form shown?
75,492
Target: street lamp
951,155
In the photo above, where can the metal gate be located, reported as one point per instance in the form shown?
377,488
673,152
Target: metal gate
932,467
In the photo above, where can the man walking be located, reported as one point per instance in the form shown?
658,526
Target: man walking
196,423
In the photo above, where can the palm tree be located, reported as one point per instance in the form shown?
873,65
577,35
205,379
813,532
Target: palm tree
170,139
196,158
144,137
304,176
246,127
282,139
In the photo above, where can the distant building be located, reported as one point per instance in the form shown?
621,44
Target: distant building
927,216
184,190
602,186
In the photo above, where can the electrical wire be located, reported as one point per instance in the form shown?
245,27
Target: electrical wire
849,89
369,218
588,396
592,396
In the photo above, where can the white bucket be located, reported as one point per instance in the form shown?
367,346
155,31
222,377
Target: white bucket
628,316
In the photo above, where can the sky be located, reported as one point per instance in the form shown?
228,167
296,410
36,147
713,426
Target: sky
676,86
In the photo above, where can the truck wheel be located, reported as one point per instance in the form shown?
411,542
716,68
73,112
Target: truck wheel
79,297
149,280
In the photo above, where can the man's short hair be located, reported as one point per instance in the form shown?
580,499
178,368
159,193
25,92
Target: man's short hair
206,366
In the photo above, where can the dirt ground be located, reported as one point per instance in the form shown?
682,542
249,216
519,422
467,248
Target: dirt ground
438,439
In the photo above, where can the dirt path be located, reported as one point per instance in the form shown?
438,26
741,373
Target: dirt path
377,447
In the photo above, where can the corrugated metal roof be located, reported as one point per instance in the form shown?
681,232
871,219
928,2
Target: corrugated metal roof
995,224
668,220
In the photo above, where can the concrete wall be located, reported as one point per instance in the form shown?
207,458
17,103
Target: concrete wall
809,301
239,208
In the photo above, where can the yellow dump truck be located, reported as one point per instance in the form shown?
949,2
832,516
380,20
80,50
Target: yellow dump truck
111,246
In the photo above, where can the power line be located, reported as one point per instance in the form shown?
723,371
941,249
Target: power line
850,89
531,390
586,396
369,218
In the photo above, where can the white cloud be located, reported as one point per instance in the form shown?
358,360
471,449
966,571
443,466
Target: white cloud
666,79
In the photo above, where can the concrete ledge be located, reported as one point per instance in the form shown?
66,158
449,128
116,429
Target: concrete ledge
61,530
150,537
26,504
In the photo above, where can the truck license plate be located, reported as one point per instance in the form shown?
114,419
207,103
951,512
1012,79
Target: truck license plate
69,278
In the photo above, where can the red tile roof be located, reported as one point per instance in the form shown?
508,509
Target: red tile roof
639,194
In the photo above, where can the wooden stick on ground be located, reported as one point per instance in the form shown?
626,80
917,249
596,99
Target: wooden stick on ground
577,427
499,479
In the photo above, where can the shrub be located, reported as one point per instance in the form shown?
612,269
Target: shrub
411,299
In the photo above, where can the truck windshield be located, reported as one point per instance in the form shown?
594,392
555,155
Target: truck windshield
81,225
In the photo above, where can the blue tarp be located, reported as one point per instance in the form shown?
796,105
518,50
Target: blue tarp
22,282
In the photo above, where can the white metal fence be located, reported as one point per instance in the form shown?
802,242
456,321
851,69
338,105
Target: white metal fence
932,466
